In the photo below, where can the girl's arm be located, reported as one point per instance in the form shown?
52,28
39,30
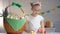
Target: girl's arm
42,26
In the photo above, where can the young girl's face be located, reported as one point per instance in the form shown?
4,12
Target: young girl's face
36,9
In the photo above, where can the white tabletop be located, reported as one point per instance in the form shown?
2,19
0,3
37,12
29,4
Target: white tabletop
29,33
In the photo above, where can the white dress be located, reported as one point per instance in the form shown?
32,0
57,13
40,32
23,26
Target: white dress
34,22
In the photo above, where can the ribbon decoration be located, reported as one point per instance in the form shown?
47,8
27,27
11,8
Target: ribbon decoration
16,4
48,11
53,9
58,6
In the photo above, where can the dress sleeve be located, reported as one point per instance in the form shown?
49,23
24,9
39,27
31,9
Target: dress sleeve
42,18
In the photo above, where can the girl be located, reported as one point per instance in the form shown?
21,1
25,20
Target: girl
36,21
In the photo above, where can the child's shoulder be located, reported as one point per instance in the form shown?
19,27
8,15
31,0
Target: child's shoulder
41,17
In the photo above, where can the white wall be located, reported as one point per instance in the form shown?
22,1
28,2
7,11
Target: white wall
1,7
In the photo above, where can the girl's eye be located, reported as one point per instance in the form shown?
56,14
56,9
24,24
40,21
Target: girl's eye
37,10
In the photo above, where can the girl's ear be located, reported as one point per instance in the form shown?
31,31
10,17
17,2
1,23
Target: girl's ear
31,4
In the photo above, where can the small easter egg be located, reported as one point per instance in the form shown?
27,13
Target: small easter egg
31,32
16,18
11,17
8,16
22,17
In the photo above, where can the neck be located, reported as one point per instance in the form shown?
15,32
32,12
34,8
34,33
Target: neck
33,14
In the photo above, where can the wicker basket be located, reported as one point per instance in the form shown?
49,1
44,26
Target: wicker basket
10,30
